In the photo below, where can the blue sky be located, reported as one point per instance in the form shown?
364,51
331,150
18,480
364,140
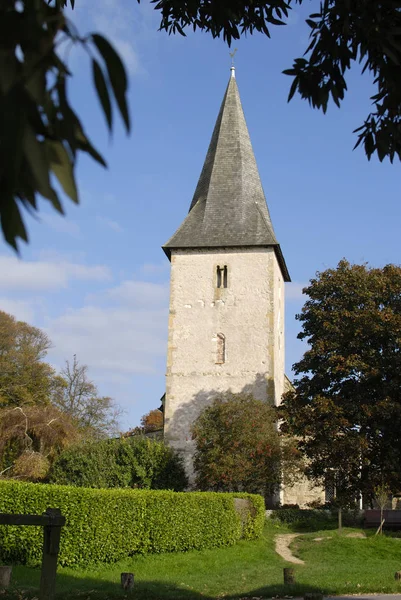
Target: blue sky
98,281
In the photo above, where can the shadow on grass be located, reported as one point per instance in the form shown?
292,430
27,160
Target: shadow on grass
69,587
310,527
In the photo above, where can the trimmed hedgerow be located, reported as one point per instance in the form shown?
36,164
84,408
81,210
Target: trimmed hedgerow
105,525
255,515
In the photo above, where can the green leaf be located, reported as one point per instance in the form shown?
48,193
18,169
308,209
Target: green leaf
369,145
293,89
36,157
62,167
84,144
11,222
36,82
102,92
312,24
117,74
335,96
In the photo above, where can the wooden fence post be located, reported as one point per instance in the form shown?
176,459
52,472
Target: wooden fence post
5,577
127,581
289,576
51,546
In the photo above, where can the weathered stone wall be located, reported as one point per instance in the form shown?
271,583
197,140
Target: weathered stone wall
250,315
278,348
302,493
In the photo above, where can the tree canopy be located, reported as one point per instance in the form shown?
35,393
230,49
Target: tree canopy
152,421
41,135
238,446
24,377
30,439
42,411
345,409
79,398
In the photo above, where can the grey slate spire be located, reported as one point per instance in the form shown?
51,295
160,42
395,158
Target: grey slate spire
229,207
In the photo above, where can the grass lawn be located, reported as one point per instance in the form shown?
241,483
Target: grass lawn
335,565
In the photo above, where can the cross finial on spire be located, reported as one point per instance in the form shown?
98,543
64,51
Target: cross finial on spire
232,54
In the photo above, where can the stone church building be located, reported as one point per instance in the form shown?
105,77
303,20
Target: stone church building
228,275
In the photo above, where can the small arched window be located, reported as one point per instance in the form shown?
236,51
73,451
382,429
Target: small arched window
221,349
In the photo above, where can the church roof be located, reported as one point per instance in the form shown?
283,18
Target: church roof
229,207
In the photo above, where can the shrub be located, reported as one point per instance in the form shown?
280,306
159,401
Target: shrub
110,524
125,462
237,446
304,518
316,518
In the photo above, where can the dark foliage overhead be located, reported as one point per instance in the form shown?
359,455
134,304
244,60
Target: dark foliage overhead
343,32
41,135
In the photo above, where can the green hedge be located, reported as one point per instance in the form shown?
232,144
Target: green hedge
255,518
315,518
107,525
302,517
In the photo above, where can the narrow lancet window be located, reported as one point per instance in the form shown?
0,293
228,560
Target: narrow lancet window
218,277
221,349
222,276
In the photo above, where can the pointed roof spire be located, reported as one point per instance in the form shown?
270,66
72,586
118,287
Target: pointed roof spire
229,207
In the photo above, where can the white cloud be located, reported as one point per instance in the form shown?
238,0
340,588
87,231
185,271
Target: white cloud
140,293
119,340
16,274
119,332
151,268
109,223
20,309
61,224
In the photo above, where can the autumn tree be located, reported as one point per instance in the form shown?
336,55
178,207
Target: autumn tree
41,412
41,135
346,405
237,446
24,376
31,436
79,398
152,421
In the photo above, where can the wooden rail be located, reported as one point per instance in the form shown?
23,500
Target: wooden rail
392,518
52,521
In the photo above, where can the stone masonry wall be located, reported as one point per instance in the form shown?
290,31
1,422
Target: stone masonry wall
250,315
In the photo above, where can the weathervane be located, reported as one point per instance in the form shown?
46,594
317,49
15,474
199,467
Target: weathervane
232,54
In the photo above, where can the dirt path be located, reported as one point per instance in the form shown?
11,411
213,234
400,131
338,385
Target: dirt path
283,542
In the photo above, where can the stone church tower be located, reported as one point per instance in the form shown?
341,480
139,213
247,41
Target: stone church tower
226,323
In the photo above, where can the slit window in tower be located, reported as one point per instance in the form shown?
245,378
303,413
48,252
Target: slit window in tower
222,276
218,277
221,349
225,276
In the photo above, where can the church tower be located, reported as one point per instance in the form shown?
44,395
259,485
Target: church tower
226,321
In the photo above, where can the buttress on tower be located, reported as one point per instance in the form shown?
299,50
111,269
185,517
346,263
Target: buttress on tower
226,320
